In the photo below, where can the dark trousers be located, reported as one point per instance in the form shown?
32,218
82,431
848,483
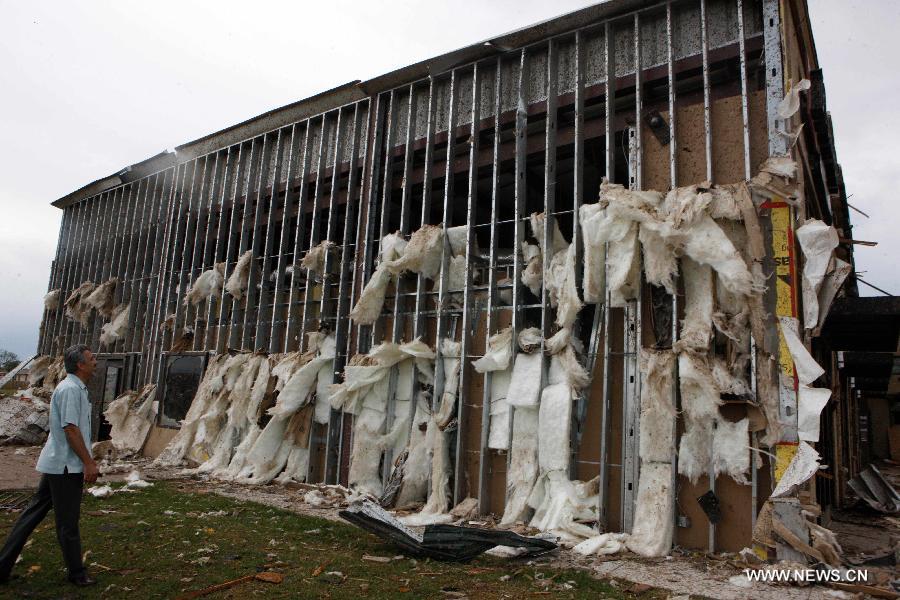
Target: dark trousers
62,493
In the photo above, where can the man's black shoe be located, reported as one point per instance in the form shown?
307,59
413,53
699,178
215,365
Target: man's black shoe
82,580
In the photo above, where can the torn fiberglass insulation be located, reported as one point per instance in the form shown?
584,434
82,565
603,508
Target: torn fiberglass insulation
207,286
76,307
731,449
131,416
653,528
51,299
38,368
239,280
102,298
817,241
314,260
498,361
115,330
657,424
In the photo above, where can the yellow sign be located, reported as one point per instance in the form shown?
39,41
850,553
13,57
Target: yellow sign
784,295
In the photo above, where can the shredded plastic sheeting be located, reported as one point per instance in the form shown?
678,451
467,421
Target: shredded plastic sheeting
810,402
731,449
76,307
239,280
833,282
525,385
315,259
207,285
817,241
790,104
657,424
117,328
51,299
102,299
802,467
808,370
131,416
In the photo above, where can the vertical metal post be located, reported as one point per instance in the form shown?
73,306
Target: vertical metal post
462,391
418,318
302,202
137,295
774,74
277,332
96,270
255,275
189,250
447,216
610,135
164,242
208,258
226,302
520,191
236,329
577,194
398,318
223,237
483,451
314,231
263,329
176,256
151,319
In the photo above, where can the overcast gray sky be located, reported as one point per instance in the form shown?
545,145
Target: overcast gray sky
91,87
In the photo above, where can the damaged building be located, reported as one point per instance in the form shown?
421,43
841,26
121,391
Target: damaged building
575,276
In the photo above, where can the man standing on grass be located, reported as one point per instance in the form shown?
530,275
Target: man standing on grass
65,464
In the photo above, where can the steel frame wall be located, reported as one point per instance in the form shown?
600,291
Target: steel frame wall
390,162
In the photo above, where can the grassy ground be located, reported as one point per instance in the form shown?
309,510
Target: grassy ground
157,543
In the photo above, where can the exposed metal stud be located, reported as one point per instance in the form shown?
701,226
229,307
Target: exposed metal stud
334,443
447,222
291,340
96,268
175,243
318,191
235,328
519,192
223,237
262,329
233,237
606,390
484,451
255,276
208,258
139,263
398,320
418,319
462,391
279,318
185,271
151,322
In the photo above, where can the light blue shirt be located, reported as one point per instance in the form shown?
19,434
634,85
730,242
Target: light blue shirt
68,405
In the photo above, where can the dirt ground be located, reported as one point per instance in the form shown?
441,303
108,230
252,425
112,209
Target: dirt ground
683,575
17,468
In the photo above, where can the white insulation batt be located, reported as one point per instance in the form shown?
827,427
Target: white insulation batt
115,330
207,286
653,526
76,307
51,299
817,242
498,362
131,416
314,260
239,280
102,298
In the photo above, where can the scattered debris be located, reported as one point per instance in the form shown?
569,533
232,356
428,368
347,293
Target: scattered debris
440,542
870,485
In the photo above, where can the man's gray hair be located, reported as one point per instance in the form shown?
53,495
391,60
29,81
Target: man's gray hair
74,355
